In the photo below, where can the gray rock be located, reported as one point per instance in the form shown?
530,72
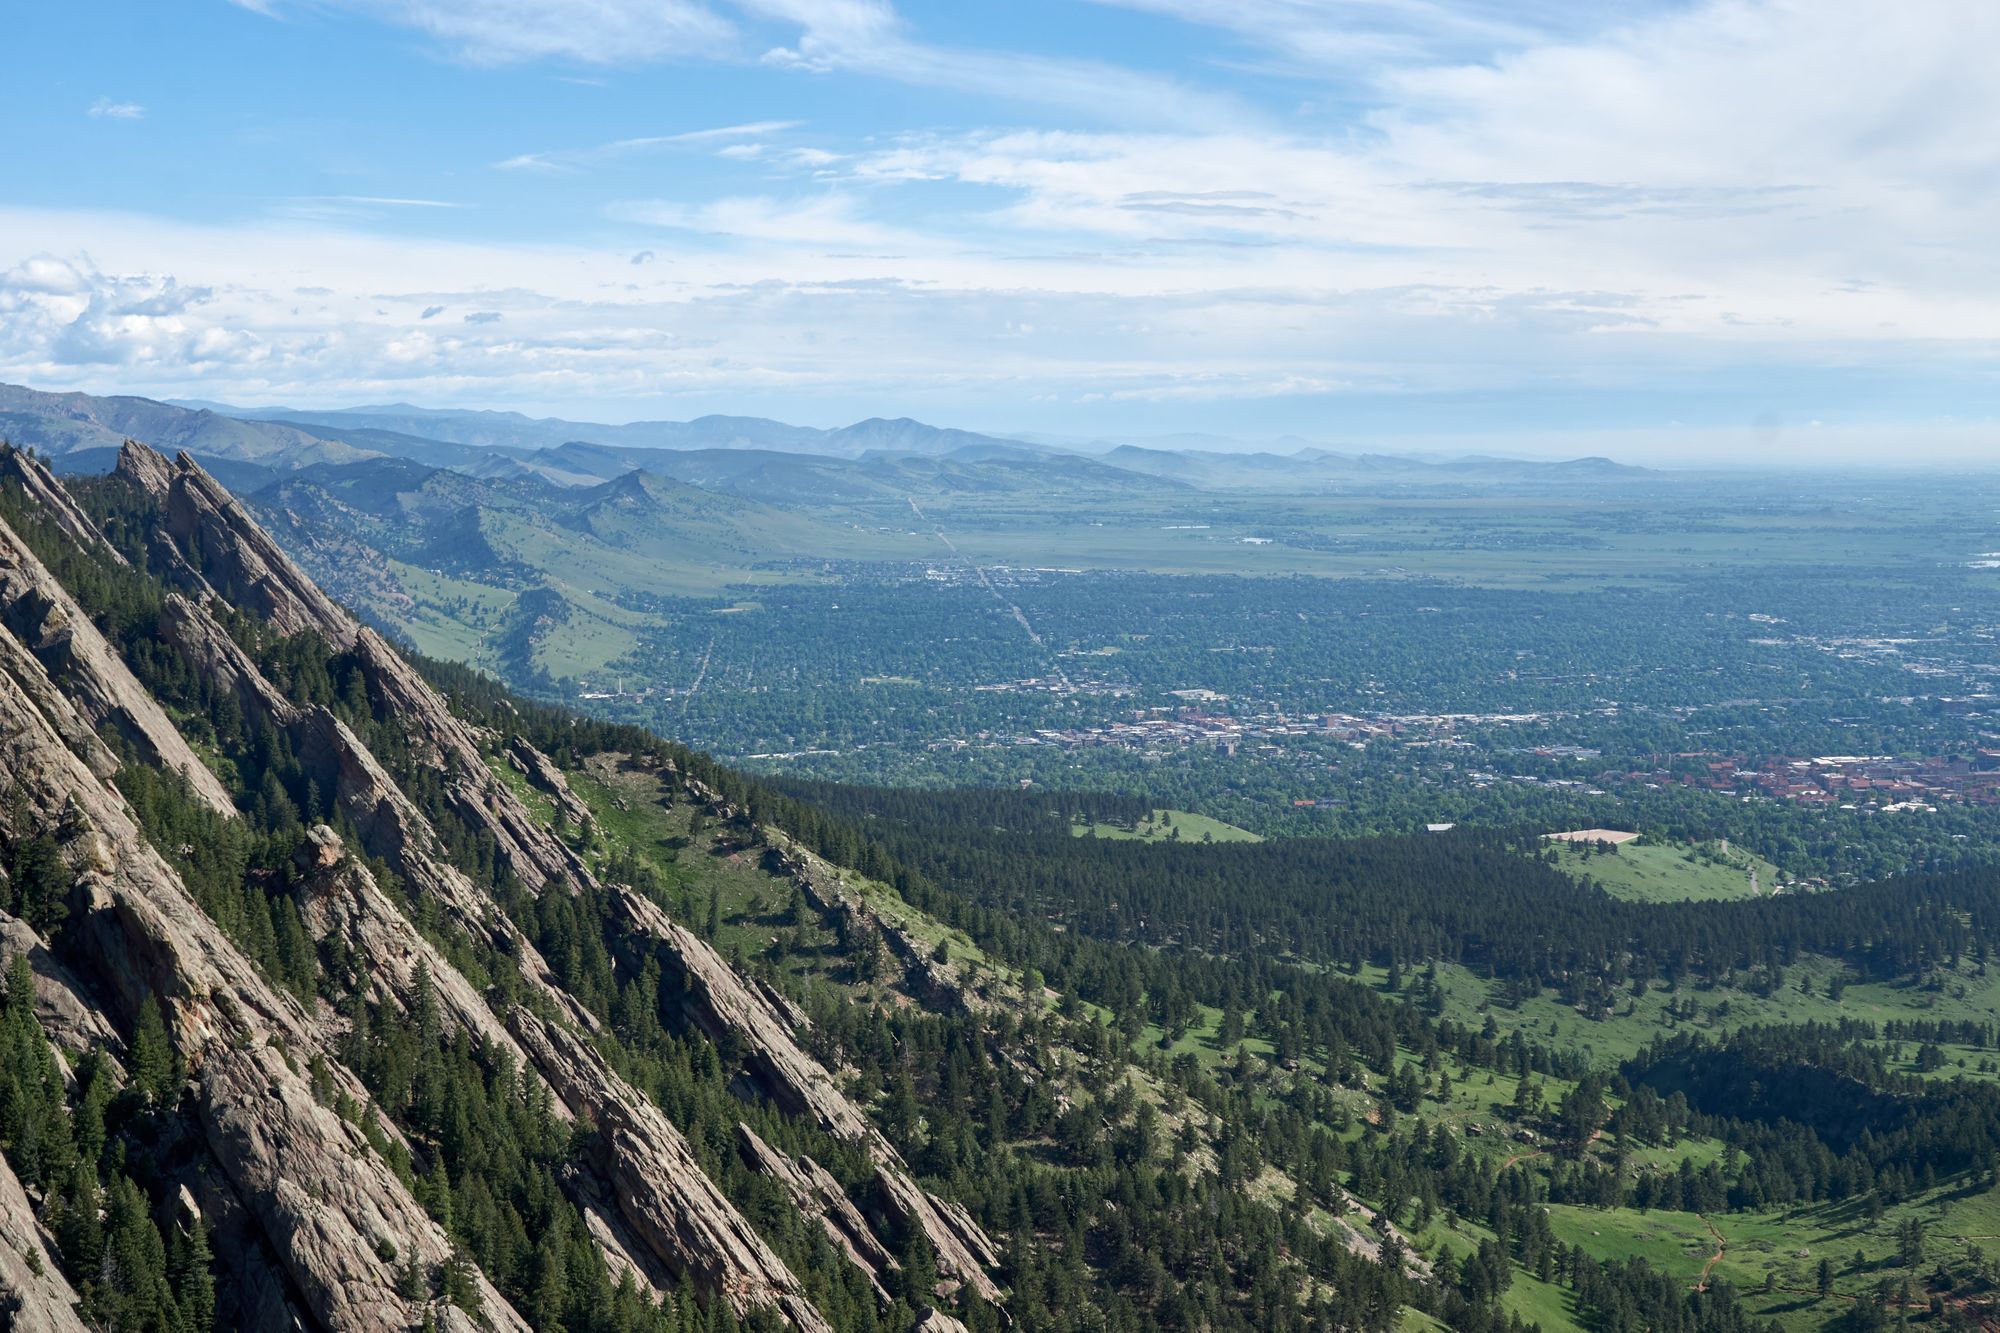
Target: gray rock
34,1295
46,620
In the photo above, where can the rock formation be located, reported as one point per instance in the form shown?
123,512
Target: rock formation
544,776
34,1295
69,1016
389,824
478,796
239,559
819,1195
318,1225
46,620
330,1209
661,1190
719,1002
54,503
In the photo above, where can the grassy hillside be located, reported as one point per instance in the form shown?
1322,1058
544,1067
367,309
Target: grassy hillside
1167,825
1649,872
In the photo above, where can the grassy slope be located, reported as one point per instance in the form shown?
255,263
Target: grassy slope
1657,873
1161,824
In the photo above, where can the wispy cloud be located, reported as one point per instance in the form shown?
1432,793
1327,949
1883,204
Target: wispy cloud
106,109
823,220
870,37
378,201
505,32
576,158
1319,37
354,208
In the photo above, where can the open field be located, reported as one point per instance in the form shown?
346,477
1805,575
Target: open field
1166,825
1655,873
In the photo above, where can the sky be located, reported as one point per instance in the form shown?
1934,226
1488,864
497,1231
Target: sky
1722,230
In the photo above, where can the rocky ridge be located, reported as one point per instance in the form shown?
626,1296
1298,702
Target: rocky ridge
318,1228
322,1199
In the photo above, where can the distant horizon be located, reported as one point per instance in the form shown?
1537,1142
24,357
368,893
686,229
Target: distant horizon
1662,450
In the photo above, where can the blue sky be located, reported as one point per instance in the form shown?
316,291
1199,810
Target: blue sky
1697,229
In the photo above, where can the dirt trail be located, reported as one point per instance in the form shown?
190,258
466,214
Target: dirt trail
1544,1152
1721,1247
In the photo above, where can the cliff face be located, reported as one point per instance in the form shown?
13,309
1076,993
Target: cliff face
238,559
34,1295
310,1187
43,618
324,1200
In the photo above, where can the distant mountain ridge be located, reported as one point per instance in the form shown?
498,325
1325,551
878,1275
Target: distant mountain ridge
753,457
491,429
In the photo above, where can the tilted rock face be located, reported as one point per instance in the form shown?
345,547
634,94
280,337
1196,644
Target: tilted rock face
324,1201
55,504
338,897
46,620
67,1014
55,710
388,824
146,468
34,1295
239,557
818,1194
719,1002
935,981
661,1190
536,856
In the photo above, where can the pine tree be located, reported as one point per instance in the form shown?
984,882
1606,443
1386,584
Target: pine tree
153,1062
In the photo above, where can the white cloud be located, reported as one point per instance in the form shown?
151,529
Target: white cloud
1726,187
869,37
1316,37
598,32
105,108
824,220
580,157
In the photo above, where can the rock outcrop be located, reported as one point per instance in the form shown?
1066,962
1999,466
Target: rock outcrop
54,503
54,709
720,1003
661,1190
339,898
330,1209
34,1295
542,773
239,559
388,823
45,619
937,1321
818,1194
67,1013
535,855
935,981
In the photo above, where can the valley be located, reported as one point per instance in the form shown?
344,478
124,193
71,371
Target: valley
1043,917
